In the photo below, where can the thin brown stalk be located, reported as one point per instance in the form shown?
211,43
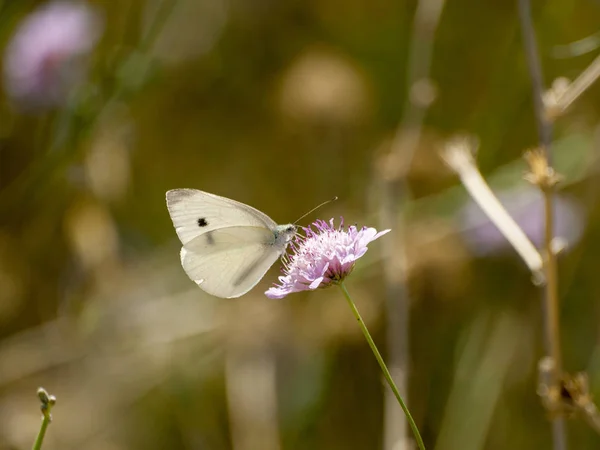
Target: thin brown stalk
550,292
535,71
552,300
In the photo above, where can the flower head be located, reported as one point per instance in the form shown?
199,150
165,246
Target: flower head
324,255
44,59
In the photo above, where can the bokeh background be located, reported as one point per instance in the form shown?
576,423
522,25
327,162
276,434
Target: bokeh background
106,105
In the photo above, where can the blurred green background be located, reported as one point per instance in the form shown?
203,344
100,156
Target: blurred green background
282,105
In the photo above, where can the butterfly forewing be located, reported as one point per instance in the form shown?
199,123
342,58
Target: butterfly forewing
196,212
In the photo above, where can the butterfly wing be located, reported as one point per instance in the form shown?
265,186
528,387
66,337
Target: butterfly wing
195,213
228,262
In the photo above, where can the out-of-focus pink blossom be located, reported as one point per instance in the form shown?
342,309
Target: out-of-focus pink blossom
526,207
323,256
45,59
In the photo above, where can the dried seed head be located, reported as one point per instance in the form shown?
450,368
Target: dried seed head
540,173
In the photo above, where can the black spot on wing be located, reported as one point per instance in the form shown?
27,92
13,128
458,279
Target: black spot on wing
202,222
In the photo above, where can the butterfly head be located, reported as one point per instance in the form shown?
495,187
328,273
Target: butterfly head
285,233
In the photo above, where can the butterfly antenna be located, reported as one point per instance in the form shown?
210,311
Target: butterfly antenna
315,208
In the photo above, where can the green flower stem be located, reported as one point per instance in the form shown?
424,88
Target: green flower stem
40,437
384,369
47,404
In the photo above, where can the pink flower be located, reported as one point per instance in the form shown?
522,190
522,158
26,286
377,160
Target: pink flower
526,206
323,256
45,57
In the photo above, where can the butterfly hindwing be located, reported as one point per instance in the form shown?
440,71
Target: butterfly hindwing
228,262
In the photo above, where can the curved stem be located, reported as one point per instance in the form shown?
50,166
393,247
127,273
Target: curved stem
384,369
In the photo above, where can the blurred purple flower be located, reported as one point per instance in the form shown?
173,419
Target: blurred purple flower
526,207
46,57
323,256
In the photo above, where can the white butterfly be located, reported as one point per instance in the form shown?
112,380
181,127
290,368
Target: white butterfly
227,246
